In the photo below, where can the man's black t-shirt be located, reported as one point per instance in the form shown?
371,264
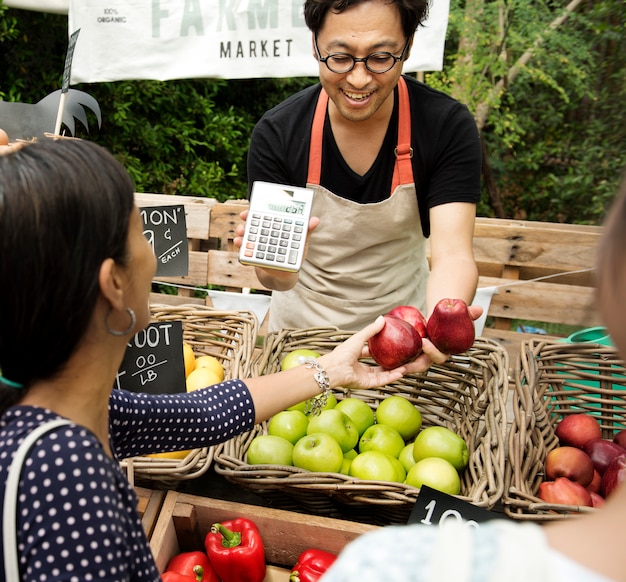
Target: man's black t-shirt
444,137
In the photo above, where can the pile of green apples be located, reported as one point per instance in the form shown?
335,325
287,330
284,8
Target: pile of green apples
348,436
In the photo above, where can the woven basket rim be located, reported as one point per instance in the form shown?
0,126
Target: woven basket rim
234,347
487,356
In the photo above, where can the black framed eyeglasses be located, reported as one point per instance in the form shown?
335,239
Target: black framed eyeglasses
377,63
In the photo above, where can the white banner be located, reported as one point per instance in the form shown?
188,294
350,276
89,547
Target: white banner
231,39
53,6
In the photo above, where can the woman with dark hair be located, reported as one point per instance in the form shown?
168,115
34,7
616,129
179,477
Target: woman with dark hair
75,279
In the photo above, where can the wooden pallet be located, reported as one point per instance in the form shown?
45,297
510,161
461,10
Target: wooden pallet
542,271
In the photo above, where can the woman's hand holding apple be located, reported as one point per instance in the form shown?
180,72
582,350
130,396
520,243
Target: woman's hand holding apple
430,354
344,368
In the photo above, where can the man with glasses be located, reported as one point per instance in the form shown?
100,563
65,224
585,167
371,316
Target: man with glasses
393,163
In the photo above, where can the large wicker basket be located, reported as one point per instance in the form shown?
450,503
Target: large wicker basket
553,380
467,394
229,336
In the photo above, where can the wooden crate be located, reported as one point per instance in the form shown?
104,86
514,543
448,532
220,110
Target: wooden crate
184,521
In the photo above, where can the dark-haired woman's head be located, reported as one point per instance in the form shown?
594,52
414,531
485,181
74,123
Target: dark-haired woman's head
65,207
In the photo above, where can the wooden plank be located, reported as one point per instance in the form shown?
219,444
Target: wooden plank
535,230
148,506
547,302
224,268
224,220
167,299
552,256
197,210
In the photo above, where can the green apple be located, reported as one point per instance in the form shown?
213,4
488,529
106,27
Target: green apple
292,359
383,438
400,470
267,449
289,424
373,466
406,457
347,461
331,402
318,452
435,472
338,425
439,441
359,411
301,406
399,412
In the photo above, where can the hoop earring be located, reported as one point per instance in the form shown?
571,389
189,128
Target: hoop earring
133,321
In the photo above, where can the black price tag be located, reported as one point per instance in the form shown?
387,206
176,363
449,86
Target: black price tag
434,507
166,229
153,361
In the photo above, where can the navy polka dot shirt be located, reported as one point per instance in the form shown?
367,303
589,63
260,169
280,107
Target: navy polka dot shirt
77,514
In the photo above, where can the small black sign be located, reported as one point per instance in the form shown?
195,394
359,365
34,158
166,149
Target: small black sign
69,56
166,229
434,507
154,361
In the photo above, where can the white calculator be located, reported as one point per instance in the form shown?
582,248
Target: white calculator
276,227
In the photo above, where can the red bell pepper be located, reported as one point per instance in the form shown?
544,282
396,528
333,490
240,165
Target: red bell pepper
189,566
311,565
236,550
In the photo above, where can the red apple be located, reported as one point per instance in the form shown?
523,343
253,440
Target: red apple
614,475
411,315
450,327
596,499
596,482
569,462
578,429
620,438
565,492
395,344
602,452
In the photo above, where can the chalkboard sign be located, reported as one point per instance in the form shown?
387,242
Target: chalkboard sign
433,507
166,229
153,361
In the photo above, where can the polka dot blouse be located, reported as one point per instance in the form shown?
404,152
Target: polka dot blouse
77,514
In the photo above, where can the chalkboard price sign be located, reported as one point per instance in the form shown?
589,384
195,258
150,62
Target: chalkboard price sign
153,361
166,229
433,507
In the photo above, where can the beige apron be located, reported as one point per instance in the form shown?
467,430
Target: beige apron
363,259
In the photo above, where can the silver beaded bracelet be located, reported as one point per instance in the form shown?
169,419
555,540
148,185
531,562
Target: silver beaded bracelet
315,405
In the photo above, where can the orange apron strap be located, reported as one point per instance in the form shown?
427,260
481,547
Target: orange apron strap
317,132
403,171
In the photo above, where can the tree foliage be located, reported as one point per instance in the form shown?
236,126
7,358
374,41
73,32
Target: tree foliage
546,83
545,79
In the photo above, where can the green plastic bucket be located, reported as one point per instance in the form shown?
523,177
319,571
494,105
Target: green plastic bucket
595,335
600,336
